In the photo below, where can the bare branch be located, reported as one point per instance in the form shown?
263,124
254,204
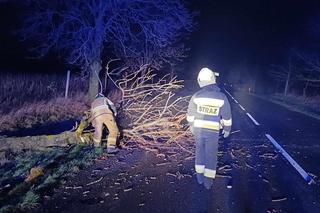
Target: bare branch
139,32
151,113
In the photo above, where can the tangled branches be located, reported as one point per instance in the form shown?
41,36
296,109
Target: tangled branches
150,112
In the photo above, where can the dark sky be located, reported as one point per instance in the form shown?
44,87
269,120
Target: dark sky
257,32
13,53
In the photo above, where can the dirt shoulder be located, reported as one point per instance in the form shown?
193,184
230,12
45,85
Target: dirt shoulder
291,104
138,181
128,181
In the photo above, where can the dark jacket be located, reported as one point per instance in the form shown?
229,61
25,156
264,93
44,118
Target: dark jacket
209,109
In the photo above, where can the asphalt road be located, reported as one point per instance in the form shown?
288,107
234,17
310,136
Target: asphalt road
261,179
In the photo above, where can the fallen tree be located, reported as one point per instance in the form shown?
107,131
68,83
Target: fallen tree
150,115
40,142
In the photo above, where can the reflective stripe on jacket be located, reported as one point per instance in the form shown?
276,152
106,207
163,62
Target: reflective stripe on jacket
210,109
100,106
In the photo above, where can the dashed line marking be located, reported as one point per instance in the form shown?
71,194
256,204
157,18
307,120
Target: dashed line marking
297,167
227,92
254,120
242,107
235,101
232,97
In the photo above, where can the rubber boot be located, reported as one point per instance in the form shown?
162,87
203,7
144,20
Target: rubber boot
208,182
112,150
200,178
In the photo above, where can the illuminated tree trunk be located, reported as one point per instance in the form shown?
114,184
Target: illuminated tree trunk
94,85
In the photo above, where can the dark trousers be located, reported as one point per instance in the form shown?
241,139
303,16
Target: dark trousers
206,154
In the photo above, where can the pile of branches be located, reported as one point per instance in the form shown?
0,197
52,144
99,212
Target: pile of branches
150,112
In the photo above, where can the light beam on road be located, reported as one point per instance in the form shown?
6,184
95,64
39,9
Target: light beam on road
297,167
253,120
242,107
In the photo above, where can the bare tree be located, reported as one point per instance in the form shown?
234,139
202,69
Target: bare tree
312,67
310,71
282,74
79,30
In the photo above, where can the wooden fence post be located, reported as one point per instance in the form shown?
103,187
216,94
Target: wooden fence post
67,84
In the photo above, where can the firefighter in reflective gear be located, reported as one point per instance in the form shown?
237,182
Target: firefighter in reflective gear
102,112
208,112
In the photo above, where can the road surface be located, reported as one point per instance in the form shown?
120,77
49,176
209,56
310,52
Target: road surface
252,176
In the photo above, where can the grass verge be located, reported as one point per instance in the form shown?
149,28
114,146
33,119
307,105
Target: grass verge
55,110
17,194
306,106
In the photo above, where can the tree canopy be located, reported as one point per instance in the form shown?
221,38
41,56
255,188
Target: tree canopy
79,30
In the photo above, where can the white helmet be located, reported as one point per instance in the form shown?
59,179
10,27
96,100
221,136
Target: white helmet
206,77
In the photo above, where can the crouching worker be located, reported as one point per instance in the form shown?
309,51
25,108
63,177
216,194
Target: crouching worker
208,111
102,113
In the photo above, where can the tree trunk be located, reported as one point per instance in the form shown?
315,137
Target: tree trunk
94,85
286,89
40,142
305,89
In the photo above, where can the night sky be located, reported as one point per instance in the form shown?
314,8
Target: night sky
258,33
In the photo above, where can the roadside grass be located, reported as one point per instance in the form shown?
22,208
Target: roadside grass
17,194
58,109
30,200
312,102
27,100
309,106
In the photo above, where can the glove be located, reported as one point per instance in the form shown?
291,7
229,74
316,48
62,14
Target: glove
226,134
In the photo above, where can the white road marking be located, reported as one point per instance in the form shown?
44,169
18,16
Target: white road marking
235,101
254,120
234,132
227,92
232,97
297,167
242,107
